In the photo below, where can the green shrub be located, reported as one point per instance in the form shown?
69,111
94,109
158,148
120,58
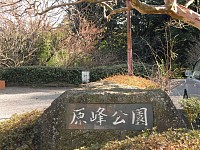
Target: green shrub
172,139
191,107
18,132
143,70
98,73
40,75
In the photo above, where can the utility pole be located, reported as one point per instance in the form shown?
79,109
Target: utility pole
129,41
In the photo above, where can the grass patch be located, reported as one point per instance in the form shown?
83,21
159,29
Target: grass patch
172,139
135,81
18,132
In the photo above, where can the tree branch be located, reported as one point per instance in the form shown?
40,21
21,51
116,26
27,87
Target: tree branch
61,5
73,3
174,10
147,9
116,11
4,4
170,7
188,3
107,6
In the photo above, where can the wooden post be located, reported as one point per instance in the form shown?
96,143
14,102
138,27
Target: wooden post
2,84
129,41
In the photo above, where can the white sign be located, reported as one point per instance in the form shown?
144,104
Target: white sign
110,116
85,76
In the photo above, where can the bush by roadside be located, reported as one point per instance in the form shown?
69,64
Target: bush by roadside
54,76
18,132
169,140
35,75
191,108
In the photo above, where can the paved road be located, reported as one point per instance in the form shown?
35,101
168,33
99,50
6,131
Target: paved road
24,99
176,91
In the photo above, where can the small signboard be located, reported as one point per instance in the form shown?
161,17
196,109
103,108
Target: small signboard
2,84
85,76
109,116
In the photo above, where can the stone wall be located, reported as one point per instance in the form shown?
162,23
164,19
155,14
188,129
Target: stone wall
51,131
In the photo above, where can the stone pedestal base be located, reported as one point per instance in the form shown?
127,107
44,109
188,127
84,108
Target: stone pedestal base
53,126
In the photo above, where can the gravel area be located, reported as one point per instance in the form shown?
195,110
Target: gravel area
24,99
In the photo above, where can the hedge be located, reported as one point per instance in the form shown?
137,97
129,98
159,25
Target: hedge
98,73
38,75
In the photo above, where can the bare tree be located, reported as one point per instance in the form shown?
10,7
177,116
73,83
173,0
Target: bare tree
193,54
45,13
19,33
78,44
170,7
29,39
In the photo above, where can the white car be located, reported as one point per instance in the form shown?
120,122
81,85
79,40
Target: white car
192,82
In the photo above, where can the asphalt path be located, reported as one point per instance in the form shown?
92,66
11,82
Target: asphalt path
18,100
176,91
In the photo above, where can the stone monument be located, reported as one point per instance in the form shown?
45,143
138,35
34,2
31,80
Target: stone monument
64,125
